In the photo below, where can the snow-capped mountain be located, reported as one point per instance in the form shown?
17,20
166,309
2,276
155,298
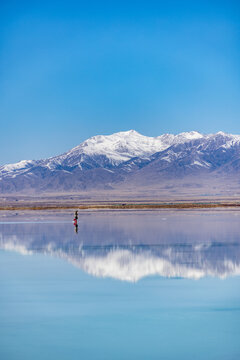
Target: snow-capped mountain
126,158
105,151
112,150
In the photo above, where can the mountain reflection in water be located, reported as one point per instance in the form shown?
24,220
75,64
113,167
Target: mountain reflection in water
130,246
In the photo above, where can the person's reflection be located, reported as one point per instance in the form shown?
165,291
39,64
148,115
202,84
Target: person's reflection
75,223
76,228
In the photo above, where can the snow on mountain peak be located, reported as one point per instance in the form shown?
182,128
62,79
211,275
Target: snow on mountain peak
112,150
12,170
128,132
191,135
118,147
221,133
16,166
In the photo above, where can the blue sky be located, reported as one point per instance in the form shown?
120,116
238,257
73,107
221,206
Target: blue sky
70,70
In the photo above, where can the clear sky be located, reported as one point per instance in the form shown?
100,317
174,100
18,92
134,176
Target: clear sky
73,69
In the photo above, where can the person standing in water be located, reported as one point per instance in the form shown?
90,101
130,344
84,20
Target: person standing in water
75,223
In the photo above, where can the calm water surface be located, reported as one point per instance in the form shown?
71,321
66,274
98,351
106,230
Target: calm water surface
128,285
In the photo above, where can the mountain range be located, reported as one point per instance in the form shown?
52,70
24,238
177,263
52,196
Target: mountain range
131,162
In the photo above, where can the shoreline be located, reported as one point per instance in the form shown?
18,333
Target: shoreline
120,206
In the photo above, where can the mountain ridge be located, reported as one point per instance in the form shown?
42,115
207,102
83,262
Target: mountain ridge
124,159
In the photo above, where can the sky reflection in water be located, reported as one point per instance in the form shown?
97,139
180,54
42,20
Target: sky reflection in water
51,309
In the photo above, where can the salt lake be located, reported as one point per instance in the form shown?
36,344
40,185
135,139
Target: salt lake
127,285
